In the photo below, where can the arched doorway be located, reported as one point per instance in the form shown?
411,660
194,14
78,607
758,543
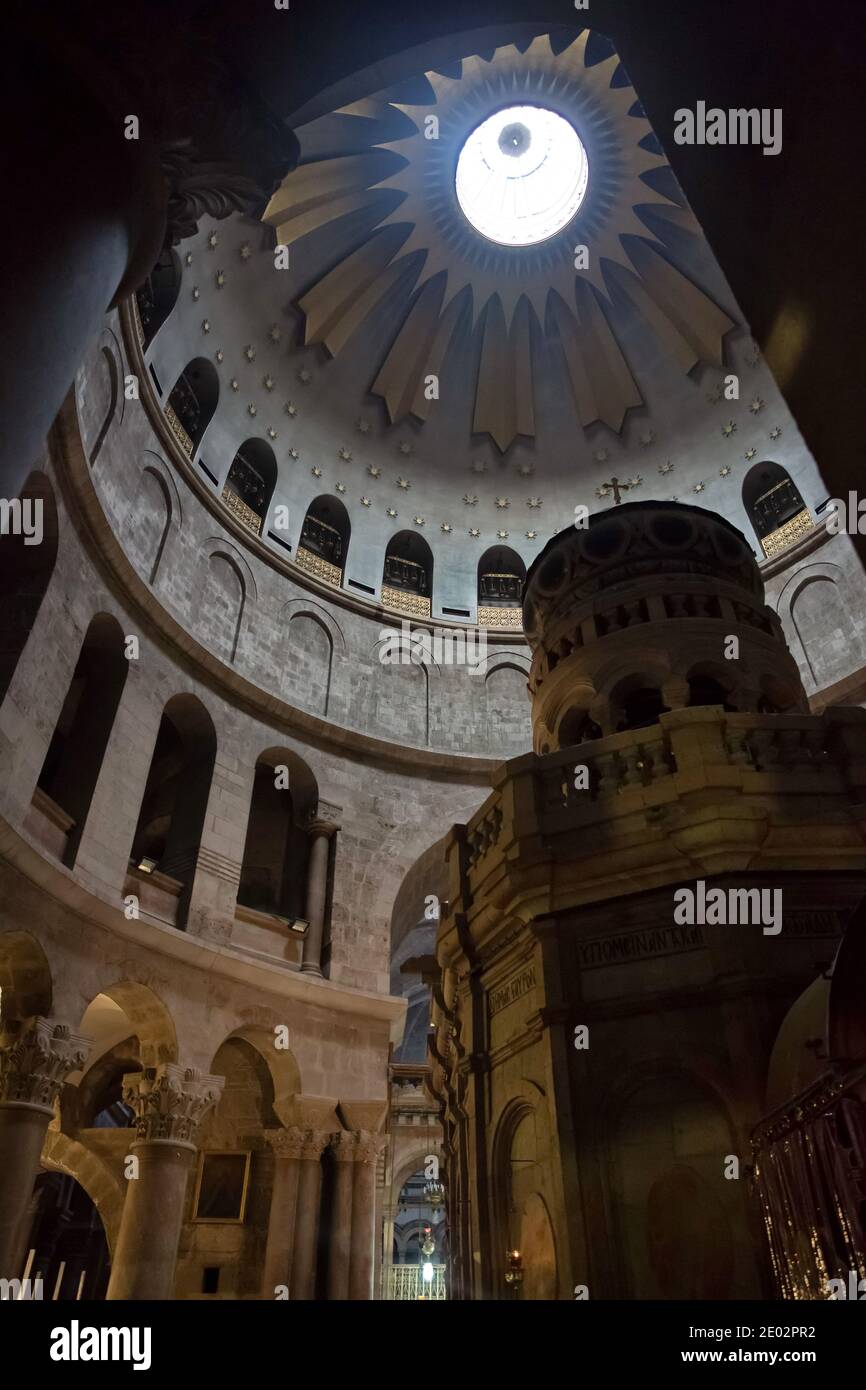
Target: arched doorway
407,581
324,540
66,1248
250,484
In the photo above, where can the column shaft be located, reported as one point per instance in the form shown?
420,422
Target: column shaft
363,1222
303,1282
22,1134
277,1269
153,1209
340,1244
317,894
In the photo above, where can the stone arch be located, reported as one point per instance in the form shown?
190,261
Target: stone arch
226,583
282,1066
814,604
325,536
25,573
250,483
273,876
501,575
192,403
408,570
522,1215
152,515
108,393
25,978
106,1190
507,709
296,606
142,1012
770,498
311,652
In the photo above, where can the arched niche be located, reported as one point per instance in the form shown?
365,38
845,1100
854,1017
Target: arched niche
158,295
27,558
25,978
709,685
324,541
67,780
173,807
191,405
501,574
274,868
250,483
772,502
407,579
576,726
520,1159
636,702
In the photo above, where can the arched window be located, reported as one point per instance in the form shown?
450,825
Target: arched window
775,507
191,405
501,573
27,556
168,834
407,583
577,727
72,764
705,689
250,484
274,870
156,298
325,540
640,708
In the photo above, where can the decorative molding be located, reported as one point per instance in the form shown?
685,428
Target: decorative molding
403,602
322,569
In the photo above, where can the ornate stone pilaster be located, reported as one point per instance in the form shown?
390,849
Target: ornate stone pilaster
34,1064
362,1253
320,832
288,1146
169,1102
312,1145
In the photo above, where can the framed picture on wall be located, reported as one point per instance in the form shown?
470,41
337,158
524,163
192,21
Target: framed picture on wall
221,1186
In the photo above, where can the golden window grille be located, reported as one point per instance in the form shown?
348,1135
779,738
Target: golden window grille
786,535
511,618
321,569
404,602
244,513
178,430
406,1283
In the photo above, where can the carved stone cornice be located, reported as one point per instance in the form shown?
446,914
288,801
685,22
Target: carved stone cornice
170,1101
36,1062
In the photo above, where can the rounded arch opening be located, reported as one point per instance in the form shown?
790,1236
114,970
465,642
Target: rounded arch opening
276,851
250,483
192,403
501,575
771,500
407,578
325,538
158,295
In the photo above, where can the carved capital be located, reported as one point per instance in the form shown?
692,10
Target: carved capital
170,1101
36,1062
344,1146
287,1143
313,1144
369,1146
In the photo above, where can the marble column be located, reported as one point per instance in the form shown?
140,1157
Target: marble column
303,1281
362,1254
344,1147
288,1145
34,1065
320,833
169,1102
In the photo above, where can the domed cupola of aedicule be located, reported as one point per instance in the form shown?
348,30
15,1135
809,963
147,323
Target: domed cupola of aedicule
652,606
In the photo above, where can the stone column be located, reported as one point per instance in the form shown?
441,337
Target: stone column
34,1065
362,1255
287,1145
169,1102
320,833
344,1147
303,1281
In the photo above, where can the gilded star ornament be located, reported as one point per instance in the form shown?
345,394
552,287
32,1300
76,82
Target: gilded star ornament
220,279
391,511
251,410
275,333
698,487
245,250
756,405
305,376
503,502
341,487
293,453
479,466
533,502
446,528
188,258
272,434
196,292
723,472
363,425
404,447
749,454
647,438
729,428
345,455
212,240
419,521
268,382
250,352
404,484
666,467
374,470
365,501
470,498
405,186
502,535
235,384
291,408
776,432
316,471
219,355
205,325
474,532
531,535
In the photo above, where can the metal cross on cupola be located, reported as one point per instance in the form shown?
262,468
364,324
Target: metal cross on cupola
617,487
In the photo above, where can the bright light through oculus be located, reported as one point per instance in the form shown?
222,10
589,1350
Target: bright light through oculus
521,175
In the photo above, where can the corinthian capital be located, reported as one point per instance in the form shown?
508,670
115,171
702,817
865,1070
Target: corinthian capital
344,1146
170,1101
287,1143
36,1062
369,1146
